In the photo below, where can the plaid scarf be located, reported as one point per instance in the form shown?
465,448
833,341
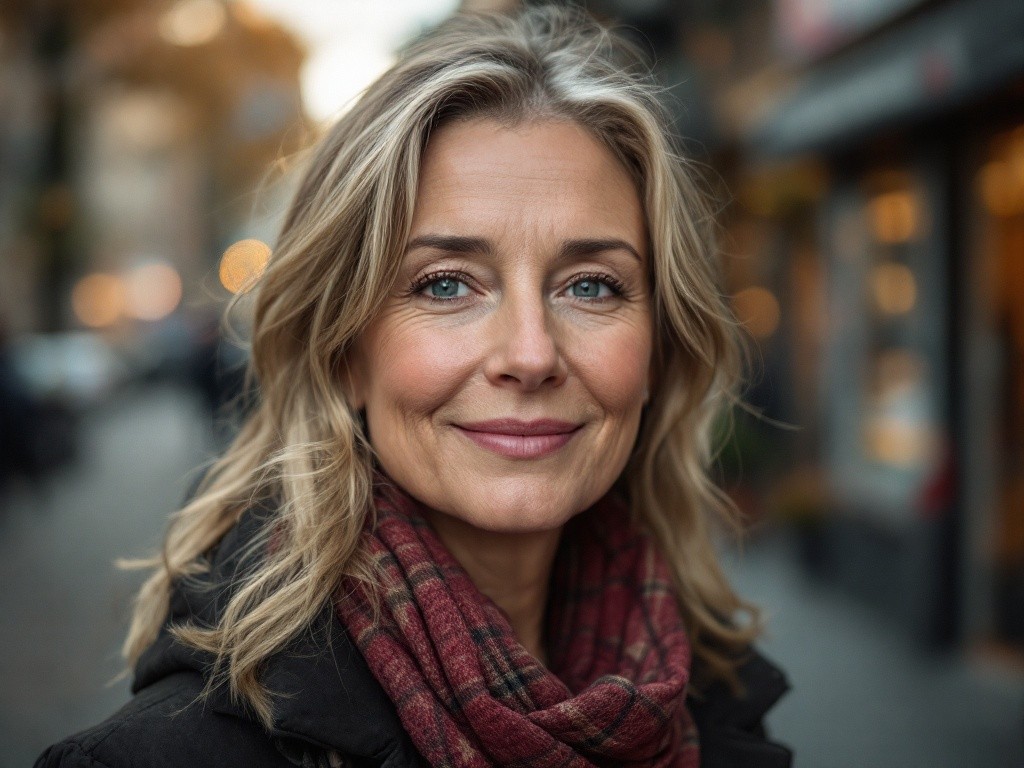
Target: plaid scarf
470,695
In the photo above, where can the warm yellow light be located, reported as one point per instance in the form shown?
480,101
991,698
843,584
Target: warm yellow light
249,16
192,22
999,191
1016,156
757,309
153,291
243,263
98,299
899,443
895,216
894,288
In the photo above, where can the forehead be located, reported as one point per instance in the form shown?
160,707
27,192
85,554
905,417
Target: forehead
538,174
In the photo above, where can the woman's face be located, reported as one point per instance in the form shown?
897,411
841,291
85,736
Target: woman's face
504,377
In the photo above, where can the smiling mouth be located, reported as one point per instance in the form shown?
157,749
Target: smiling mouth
515,439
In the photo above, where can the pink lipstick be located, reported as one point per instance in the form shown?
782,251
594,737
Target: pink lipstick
515,439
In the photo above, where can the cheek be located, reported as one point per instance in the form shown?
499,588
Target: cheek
413,370
614,367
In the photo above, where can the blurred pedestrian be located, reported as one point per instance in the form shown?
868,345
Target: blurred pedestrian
468,523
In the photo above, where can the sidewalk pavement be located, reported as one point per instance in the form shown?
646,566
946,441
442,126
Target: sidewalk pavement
864,695
64,606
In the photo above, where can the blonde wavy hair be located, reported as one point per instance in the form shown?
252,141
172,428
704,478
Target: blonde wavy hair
337,256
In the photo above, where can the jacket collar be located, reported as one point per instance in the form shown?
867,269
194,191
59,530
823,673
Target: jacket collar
322,691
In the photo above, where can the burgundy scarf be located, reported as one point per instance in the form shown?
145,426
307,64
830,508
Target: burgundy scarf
470,695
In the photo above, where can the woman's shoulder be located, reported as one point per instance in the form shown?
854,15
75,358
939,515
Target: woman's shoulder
166,725
731,724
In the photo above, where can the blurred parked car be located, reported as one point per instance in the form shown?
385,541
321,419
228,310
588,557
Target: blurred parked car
47,381
77,368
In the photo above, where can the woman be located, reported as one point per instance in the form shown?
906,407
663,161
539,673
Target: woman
468,522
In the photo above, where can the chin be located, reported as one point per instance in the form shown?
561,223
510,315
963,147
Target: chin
517,507
513,521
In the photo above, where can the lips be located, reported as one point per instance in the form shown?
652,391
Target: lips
516,439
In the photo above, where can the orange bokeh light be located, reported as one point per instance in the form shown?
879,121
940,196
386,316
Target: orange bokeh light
98,299
895,216
894,288
243,263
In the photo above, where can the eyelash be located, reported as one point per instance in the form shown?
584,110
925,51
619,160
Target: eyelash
616,286
420,283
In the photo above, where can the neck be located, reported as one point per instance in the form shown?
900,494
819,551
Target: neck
511,569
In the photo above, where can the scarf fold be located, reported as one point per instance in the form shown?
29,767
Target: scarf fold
470,695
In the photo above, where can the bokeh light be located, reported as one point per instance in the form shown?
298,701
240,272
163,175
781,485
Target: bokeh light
1016,155
243,263
152,291
894,288
1002,190
192,22
98,299
898,442
895,216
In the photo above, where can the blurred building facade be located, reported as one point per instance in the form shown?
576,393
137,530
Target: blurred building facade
133,135
919,123
874,247
138,139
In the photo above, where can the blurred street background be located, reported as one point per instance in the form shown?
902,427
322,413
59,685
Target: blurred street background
867,157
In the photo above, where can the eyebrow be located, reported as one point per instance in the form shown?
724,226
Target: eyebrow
451,244
570,248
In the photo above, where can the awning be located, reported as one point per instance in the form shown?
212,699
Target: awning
957,54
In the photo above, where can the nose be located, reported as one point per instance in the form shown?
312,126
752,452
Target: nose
525,354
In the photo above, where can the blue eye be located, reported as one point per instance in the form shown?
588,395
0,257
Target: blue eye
590,288
447,288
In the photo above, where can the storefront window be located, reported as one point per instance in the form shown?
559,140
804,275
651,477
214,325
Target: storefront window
885,385
999,190
900,415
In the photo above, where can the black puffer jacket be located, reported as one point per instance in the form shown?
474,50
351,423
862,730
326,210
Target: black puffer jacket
329,710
